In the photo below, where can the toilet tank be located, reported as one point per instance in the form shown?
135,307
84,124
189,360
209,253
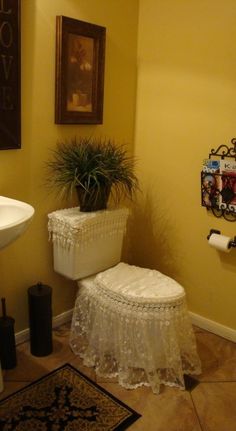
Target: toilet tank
86,243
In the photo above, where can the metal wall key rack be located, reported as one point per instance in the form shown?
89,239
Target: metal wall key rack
218,182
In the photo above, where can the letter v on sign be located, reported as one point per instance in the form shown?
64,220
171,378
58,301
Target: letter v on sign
7,63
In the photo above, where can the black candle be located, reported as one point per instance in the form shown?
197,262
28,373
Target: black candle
7,339
40,319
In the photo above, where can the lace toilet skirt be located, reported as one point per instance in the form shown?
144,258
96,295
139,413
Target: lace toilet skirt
132,323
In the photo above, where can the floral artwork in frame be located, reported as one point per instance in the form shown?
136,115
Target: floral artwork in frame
80,58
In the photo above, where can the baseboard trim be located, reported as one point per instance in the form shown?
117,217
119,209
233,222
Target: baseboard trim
212,326
62,318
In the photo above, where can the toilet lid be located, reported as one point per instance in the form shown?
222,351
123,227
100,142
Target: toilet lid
139,284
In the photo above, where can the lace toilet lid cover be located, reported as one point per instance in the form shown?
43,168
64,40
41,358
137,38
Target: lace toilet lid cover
132,323
140,285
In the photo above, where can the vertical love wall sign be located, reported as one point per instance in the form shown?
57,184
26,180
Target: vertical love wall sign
10,77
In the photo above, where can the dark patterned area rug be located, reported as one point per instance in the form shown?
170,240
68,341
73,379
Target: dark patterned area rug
64,400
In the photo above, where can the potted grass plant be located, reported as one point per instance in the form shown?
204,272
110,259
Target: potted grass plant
95,168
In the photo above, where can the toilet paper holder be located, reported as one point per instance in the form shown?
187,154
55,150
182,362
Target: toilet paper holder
231,244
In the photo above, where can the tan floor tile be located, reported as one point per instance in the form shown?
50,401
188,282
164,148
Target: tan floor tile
11,387
77,362
218,357
197,329
62,331
100,379
215,405
171,410
30,367
27,368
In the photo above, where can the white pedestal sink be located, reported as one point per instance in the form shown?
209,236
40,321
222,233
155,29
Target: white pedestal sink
15,217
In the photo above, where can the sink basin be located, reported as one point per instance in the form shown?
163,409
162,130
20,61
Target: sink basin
15,217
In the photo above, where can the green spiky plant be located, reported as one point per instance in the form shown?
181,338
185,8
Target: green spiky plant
94,167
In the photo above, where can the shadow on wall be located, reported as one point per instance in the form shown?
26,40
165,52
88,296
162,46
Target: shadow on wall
150,237
228,260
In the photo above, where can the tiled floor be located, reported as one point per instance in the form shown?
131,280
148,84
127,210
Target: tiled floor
210,406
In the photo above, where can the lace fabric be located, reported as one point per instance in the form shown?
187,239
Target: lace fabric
70,226
141,338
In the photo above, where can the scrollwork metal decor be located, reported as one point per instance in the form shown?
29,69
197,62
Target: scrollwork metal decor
218,182
225,151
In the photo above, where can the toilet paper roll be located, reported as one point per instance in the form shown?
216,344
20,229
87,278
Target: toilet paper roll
220,242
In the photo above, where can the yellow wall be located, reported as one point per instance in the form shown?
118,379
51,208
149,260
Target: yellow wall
22,174
186,106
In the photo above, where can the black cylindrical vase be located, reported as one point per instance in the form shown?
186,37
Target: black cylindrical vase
40,319
7,340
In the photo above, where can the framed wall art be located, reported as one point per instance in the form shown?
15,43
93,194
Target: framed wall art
80,58
10,76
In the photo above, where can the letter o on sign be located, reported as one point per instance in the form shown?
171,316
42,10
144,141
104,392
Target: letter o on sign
6,34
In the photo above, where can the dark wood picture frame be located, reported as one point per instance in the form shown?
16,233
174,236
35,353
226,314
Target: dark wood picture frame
10,75
80,60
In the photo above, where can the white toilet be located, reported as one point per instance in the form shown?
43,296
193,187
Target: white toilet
128,322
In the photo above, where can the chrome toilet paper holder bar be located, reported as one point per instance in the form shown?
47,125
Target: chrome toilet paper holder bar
218,232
